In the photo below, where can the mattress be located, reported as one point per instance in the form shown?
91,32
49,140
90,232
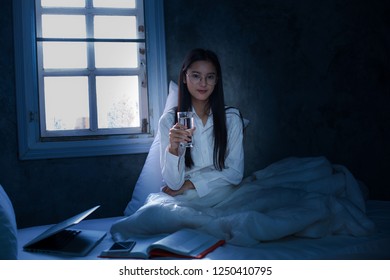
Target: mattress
375,246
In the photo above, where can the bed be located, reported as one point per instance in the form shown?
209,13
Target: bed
360,227
375,246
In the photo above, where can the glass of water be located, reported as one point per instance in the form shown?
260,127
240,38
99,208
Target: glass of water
186,119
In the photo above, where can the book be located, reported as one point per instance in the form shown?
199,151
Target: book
185,243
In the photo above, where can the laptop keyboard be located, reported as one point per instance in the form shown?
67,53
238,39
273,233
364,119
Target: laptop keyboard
64,237
59,240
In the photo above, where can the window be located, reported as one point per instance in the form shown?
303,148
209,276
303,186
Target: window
91,67
90,79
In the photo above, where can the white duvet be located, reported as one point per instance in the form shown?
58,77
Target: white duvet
307,197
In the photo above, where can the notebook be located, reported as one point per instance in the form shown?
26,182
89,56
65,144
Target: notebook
59,239
184,243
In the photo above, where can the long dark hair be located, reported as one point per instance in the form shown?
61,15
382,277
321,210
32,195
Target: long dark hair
216,104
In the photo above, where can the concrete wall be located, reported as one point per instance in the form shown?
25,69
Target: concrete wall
313,77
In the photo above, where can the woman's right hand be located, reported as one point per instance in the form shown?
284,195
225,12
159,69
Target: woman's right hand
178,134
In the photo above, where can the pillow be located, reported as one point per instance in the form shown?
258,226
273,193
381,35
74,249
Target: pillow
150,179
8,237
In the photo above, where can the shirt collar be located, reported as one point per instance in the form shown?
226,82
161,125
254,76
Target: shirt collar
193,110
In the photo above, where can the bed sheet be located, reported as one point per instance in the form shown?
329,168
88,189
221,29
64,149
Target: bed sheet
376,246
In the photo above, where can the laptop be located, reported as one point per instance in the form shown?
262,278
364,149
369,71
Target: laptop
59,239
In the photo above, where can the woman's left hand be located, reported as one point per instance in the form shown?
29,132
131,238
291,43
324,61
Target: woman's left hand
186,186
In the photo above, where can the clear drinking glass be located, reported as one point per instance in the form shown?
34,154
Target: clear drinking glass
186,119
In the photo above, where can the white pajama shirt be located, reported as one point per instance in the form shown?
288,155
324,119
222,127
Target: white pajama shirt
203,174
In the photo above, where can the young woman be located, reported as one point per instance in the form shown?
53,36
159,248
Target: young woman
215,163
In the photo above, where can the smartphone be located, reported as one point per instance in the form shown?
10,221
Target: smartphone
120,247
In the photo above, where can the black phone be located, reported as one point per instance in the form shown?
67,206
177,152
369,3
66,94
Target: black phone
125,246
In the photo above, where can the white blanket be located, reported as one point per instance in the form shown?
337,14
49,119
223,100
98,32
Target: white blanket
307,197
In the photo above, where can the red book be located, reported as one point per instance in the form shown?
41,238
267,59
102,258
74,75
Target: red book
185,243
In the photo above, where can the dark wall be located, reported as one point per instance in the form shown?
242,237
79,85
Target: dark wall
46,191
313,79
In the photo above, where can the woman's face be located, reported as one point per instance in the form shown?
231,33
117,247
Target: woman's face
201,78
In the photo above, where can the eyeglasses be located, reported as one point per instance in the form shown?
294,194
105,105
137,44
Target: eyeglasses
196,78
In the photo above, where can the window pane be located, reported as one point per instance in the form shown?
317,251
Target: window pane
63,3
66,103
115,27
114,3
117,101
63,26
64,55
116,55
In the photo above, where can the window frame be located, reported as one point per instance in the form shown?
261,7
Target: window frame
31,145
